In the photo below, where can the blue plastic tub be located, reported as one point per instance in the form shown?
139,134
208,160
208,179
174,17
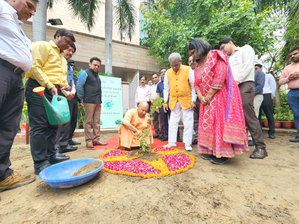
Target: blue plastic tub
60,175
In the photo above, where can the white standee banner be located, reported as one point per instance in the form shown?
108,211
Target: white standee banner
112,105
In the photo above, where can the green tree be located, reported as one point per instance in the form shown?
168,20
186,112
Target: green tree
171,29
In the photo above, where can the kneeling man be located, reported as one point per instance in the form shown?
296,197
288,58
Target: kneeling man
133,124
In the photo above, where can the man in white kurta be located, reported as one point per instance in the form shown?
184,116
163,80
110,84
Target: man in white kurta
179,86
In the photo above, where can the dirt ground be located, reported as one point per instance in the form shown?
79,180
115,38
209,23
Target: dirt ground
241,191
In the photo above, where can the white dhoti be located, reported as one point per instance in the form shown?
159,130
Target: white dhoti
257,102
188,120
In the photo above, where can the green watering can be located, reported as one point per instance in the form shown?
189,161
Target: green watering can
58,110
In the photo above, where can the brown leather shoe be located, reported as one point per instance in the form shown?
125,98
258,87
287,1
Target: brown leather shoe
89,145
15,180
99,143
259,154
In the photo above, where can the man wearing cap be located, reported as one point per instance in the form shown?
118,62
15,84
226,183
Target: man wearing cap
49,69
15,58
62,136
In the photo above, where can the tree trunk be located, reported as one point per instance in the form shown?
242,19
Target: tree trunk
39,23
108,36
277,97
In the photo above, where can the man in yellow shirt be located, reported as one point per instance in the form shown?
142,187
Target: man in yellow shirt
179,85
49,69
134,122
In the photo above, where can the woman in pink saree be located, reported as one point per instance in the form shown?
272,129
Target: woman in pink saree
221,128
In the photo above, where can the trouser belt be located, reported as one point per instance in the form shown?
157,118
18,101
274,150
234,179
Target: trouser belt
12,67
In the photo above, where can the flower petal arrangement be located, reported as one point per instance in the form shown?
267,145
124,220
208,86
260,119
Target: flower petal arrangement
171,161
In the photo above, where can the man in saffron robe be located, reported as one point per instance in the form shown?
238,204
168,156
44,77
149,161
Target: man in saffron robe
133,124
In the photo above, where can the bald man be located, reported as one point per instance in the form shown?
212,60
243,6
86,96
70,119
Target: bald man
133,124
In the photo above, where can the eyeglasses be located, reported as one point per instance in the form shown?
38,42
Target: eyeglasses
177,65
162,72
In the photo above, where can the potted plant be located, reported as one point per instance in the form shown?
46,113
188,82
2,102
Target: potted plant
277,120
265,121
288,119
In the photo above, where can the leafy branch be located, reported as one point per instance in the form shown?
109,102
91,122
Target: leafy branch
144,146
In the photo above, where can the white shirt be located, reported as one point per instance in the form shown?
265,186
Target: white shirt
153,92
242,64
142,94
191,82
270,85
15,45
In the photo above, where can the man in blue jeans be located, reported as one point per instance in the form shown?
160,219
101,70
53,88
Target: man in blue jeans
290,76
165,116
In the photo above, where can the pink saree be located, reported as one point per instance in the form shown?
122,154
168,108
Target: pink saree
221,128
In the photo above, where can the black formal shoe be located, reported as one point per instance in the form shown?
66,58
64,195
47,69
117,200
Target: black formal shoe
194,142
219,161
68,148
156,136
164,139
55,159
179,139
272,136
72,142
208,157
60,155
250,143
160,137
38,170
296,139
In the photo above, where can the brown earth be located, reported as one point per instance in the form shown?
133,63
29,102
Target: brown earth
87,168
242,191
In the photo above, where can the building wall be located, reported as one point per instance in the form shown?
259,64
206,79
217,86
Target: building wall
125,94
126,56
62,10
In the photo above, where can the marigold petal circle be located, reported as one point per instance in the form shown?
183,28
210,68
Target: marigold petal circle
171,161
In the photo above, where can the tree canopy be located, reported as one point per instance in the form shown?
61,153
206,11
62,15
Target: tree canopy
170,29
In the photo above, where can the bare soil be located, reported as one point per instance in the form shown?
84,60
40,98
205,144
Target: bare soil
143,156
87,168
241,191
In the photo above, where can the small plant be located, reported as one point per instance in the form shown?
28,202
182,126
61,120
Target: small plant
145,148
278,117
81,117
25,118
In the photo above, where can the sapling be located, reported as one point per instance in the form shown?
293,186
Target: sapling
145,148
